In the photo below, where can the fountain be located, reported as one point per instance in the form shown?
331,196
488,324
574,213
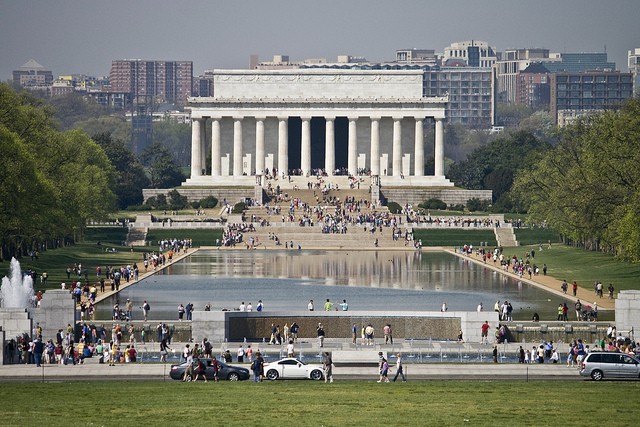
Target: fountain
16,291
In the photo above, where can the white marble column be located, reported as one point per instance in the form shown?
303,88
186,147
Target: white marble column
397,146
330,146
203,144
260,146
305,149
439,149
237,146
215,147
196,140
375,146
418,169
283,147
352,153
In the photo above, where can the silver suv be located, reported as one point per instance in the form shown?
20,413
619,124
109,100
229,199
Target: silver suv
599,365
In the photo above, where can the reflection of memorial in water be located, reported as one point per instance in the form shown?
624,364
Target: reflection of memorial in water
392,270
369,280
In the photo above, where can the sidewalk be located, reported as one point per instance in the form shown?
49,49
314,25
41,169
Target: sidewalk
547,283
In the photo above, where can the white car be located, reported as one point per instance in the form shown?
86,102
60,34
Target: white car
291,368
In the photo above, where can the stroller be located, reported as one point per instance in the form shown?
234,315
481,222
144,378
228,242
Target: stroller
587,314
123,316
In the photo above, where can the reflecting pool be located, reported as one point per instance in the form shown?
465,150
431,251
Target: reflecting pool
368,280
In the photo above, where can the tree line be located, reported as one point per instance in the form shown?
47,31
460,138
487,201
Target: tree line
54,180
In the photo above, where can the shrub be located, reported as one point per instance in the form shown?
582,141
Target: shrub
239,208
458,207
177,201
195,204
475,204
433,204
394,207
208,202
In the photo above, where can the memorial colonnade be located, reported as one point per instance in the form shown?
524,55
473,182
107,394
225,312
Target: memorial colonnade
207,120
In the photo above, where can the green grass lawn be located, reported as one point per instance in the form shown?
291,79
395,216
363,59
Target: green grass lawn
535,236
454,237
585,267
89,254
111,235
305,403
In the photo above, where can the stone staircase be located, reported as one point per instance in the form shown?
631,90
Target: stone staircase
505,235
137,236
313,238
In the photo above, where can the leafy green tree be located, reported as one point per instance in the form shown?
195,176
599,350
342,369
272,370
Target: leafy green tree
165,172
587,187
130,177
176,200
492,167
72,108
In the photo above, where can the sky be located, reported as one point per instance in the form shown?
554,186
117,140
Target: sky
84,36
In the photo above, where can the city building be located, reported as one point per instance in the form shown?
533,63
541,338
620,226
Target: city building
32,75
532,86
417,56
470,91
475,53
634,69
573,94
514,61
153,81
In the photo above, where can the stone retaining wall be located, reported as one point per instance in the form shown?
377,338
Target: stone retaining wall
415,196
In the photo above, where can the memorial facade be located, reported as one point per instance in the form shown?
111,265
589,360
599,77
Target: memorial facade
307,122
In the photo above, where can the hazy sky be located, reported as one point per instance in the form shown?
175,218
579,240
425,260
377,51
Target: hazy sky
84,36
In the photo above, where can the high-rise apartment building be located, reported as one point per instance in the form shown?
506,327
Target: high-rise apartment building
532,86
470,90
578,93
164,81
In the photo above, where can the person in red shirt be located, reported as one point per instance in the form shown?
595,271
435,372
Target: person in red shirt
485,332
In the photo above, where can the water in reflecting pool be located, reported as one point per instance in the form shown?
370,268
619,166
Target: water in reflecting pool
287,280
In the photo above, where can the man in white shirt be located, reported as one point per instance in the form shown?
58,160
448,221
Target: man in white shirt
242,307
310,305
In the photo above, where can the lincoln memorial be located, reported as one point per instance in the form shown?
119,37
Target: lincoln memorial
302,124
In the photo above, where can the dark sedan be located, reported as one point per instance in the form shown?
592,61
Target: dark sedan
227,372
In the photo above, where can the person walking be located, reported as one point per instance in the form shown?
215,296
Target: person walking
354,333
399,369
328,365
388,334
320,333
384,371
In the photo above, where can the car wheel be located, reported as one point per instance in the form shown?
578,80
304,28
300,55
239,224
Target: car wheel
233,376
272,374
596,375
316,375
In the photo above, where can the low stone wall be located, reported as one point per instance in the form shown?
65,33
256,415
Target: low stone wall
415,196
232,195
236,326
588,332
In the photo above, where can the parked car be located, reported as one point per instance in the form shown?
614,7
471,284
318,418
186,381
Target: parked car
290,368
227,372
599,365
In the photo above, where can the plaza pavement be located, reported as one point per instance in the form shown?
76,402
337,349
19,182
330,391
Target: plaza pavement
91,370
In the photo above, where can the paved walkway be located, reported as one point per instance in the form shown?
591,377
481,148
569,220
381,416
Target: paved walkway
412,352
551,284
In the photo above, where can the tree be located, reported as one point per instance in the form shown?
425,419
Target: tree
165,172
492,167
70,176
72,108
130,177
587,187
